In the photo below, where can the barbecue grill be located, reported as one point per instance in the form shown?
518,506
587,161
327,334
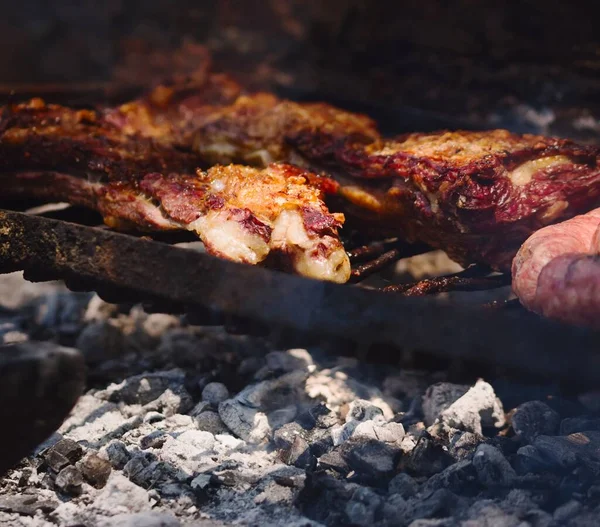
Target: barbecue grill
299,51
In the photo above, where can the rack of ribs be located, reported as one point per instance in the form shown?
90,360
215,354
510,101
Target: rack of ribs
143,182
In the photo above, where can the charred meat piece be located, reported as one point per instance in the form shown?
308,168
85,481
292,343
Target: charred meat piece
269,216
260,129
171,113
476,195
39,136
556,273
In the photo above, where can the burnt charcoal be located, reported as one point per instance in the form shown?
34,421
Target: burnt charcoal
215,392
320,442
440,396
461,478
373,461
299,454
210,422
493,469
62,453
363,507
154,439
135,469
403,485
528,460
571,425
535,418
428,457
284,437
26,504
56,461
566,452
438,504
95,470
333,460
318,416
143,389
117,454
462,445
324,498
69,480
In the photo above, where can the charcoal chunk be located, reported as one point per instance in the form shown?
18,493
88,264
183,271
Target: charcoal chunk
334,460
299,453
215,392
95,470
284,437
535,418
154,439
318,416
69,480
493,469
428,457
210,422
117,454
529,460
459,477
362,508
62,453
372,459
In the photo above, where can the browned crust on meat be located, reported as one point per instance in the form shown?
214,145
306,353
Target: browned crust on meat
257,130
40,136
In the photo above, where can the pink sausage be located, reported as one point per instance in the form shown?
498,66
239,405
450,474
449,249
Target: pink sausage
562,287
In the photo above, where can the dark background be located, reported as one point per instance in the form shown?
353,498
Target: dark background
526,65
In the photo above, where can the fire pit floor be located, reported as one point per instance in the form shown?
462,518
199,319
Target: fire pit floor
191,425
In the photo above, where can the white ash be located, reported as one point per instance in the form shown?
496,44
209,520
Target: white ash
184,425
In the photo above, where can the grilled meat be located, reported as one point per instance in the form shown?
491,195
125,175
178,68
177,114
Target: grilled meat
170,114
142,181
476,195
556,272
242,214
38,136
261,129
